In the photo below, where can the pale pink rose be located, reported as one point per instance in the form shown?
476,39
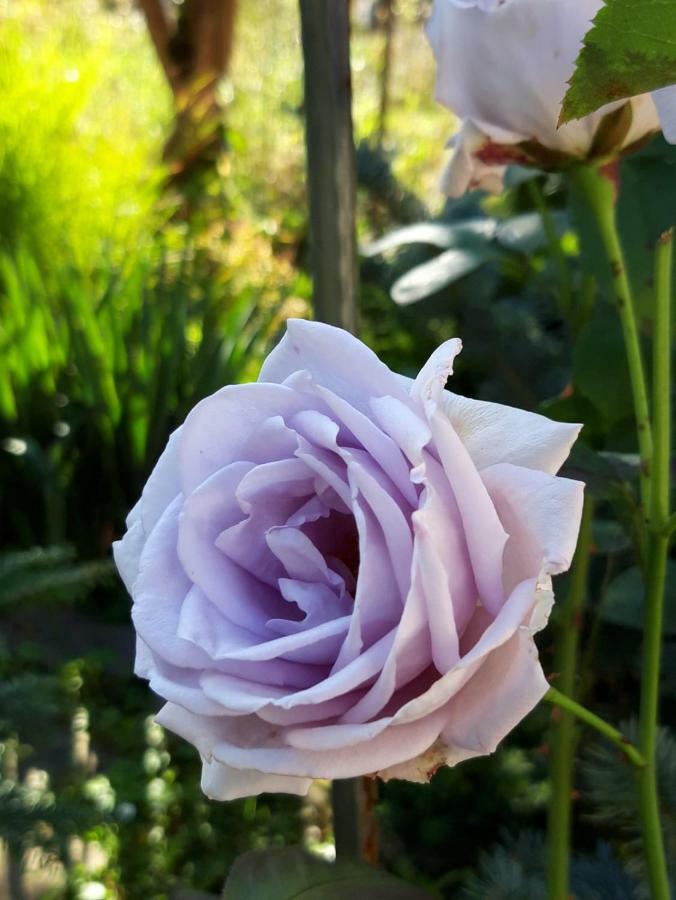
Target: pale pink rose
338,571
503,67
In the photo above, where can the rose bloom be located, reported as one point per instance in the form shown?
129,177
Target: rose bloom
503,67
338,571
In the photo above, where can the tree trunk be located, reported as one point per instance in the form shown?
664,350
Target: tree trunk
194,46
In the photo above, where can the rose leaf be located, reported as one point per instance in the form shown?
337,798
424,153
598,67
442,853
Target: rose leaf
630,49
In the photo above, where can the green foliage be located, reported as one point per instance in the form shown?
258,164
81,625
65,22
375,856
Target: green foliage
33,812
126,355
599,370
285,874
27,703
34,816
467,244
432,833
630,49
624,603
77,177
516,869
516,345
513,870
49,575
140,802
611,799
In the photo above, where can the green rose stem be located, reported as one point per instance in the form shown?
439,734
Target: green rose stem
658,548
563,739
633,754
599,192
325,36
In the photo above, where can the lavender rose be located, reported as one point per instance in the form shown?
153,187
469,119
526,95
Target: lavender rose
337,571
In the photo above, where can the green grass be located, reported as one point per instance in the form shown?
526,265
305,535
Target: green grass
83,113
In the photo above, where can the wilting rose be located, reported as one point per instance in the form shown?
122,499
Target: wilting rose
338,571
503,67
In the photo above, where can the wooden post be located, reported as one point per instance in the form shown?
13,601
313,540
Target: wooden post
387,25
325,29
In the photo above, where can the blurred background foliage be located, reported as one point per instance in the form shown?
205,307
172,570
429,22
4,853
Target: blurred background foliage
135,278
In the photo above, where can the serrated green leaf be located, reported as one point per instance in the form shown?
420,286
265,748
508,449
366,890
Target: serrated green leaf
288,873
630,49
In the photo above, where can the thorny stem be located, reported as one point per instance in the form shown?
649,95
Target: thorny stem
658,548
599,193
653,441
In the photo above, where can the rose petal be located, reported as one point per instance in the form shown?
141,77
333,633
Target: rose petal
491,635
163,484
318,601
507,686
205,513
493,433
221,782
467,170
379,446
665,101
127,551
428,387
355,674
334,359
506,68
408,655
159,591
385,749
210,439
485,536
300,558
541,513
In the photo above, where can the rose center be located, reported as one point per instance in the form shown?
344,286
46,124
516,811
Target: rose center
337,539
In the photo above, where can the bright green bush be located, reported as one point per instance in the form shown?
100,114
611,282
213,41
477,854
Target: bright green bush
81,123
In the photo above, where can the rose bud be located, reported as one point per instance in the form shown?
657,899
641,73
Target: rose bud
503,67
338,571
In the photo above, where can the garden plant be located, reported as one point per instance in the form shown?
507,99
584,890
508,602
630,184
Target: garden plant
393,420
